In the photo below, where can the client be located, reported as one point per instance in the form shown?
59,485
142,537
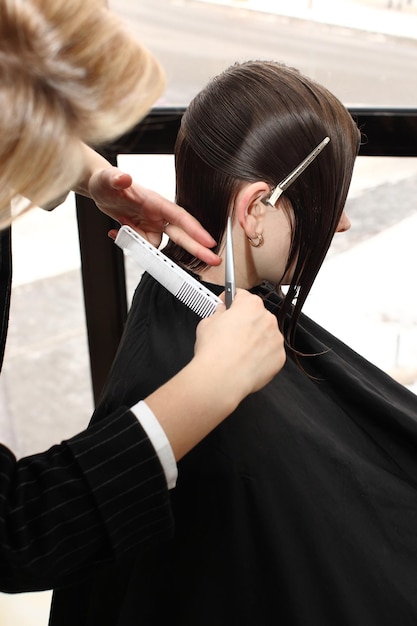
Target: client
301,508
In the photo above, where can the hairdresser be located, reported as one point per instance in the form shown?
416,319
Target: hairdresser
72,77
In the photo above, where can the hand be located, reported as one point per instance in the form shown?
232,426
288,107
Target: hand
237,352
147,212
243,345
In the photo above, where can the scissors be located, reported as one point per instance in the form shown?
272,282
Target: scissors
230,283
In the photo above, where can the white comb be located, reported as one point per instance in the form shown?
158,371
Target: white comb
183,286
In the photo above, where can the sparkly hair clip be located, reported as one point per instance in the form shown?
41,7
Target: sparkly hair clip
288,180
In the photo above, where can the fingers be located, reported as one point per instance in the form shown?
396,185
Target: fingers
243,344
244,298
194,247
120,180
179,220
153,238
159,214
104,182
176,216
149,213
181,238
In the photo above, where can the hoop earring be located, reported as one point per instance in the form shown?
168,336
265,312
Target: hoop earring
258,243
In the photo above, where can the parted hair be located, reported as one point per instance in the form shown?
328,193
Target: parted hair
70,72
257,121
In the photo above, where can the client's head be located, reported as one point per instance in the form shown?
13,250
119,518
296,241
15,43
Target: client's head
69,72
240,136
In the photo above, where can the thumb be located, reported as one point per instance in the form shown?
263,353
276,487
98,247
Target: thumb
121,180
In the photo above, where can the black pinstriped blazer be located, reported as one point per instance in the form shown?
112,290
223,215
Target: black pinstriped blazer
83,503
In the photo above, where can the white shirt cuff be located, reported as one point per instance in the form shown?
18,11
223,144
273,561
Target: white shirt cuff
159,441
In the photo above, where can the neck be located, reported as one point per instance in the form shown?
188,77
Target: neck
245,275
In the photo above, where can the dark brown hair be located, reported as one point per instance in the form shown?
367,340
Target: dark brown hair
257,121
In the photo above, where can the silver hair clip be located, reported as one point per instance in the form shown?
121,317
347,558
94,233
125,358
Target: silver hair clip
288,180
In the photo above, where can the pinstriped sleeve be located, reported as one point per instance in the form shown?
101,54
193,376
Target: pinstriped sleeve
91,499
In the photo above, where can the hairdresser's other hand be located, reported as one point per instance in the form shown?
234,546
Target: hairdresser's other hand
243,344
147,212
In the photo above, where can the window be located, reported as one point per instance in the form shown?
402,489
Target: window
363,50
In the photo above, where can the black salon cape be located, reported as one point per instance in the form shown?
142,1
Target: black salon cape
299,510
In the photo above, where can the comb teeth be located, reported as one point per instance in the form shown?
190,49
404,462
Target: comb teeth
198,301
183,286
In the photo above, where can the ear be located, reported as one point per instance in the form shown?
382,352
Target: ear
249,208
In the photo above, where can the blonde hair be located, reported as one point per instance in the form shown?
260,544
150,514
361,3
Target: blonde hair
70,72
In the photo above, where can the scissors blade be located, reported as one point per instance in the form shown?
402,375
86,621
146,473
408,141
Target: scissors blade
230,284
